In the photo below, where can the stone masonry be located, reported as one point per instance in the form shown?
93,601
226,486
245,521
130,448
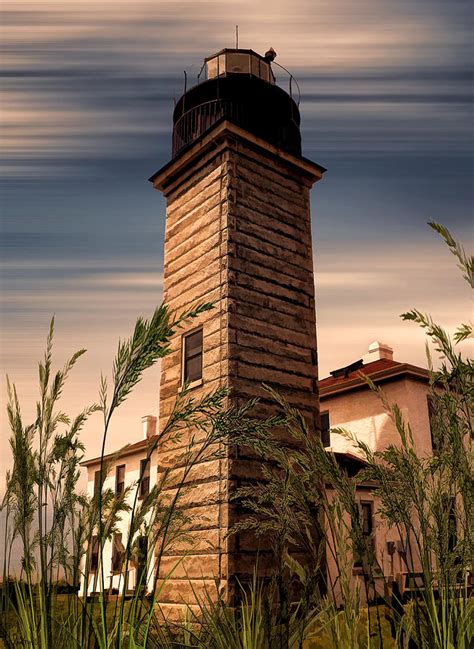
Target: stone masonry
238,234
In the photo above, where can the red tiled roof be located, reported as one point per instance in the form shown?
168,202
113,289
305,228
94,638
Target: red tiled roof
380,370
126,450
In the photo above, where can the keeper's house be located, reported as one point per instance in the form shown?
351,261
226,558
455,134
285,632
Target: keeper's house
348,402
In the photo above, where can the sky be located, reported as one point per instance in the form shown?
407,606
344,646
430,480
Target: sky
88,88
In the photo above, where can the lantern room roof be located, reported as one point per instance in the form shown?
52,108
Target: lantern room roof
230,49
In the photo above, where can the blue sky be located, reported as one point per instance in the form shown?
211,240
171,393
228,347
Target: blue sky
88,94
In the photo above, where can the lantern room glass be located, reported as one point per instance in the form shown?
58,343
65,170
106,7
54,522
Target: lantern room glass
239,62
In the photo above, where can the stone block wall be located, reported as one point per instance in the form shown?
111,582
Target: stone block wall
238,234
195,272
272,329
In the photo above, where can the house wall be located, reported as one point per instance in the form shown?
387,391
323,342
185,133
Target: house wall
393,565
362,413
132,472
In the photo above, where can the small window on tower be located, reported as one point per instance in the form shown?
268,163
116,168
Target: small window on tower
192,357
325,432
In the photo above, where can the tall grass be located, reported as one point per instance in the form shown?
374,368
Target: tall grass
305,503
55,525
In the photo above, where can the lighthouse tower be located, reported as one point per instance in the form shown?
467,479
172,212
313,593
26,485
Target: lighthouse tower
238,234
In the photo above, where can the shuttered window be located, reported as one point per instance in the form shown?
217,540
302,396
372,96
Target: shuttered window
366,513
142,561
117,553
96,483
94,556
120,479
433,423
325,426
145,481
367,518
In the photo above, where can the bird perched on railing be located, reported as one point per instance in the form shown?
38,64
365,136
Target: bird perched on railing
270,55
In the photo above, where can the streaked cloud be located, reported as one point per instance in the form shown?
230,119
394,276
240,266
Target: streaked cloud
94,308
361,291
86,80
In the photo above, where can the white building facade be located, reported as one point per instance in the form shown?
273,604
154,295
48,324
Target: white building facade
123,471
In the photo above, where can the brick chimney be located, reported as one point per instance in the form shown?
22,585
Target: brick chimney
149,426
377,351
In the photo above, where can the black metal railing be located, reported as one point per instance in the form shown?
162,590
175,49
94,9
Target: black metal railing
196,121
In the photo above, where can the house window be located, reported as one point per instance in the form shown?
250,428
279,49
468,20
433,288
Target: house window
450,511
432,422
145,477
452,531
366,514
120,479
96,483
142,561
192,357
325,434
117,553
94,556
367,518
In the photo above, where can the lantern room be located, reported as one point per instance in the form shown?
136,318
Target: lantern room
239,62
238,86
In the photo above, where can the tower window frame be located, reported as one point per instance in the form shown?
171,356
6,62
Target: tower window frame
192,355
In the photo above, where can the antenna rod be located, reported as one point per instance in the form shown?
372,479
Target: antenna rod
236,37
